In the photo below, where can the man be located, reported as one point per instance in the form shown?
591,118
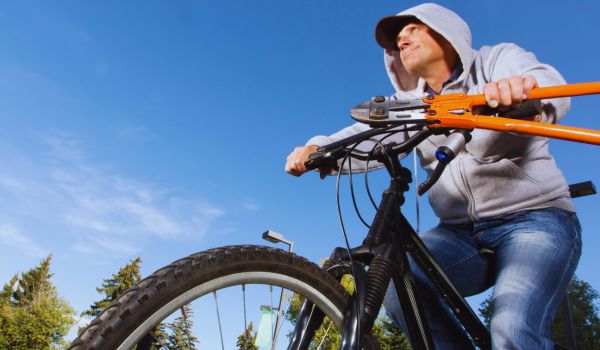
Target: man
504,192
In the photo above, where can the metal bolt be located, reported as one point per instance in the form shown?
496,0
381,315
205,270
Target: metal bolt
431,112
379,99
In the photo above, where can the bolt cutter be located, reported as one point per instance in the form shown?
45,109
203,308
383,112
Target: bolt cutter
459,111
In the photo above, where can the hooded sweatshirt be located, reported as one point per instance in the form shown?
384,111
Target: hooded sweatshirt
497,173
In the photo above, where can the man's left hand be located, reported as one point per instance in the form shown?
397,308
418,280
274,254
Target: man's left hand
509,93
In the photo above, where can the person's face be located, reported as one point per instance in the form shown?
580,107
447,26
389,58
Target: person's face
420,47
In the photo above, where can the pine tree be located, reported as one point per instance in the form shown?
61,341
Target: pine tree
584,312
8,293
22,291
158,338
112,288
126,278
485,311
389,336
180,331
32,315
247,340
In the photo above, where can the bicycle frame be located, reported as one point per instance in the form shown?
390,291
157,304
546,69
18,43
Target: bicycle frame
385,251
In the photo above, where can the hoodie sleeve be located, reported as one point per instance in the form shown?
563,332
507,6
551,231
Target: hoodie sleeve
507,60
357,165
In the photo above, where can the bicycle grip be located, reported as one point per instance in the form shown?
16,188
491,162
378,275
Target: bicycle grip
320,159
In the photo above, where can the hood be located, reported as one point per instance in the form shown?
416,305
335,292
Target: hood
440,19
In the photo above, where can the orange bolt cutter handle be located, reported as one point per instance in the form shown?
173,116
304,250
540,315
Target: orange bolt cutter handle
454,111
554,131
551,92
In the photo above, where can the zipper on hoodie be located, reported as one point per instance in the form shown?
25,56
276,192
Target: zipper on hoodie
472,211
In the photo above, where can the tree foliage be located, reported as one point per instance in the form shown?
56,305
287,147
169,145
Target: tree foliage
126,278
584,312
165,336
389,336
180,334
247,340
32,315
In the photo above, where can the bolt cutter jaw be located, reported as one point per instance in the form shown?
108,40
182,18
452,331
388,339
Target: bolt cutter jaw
383,111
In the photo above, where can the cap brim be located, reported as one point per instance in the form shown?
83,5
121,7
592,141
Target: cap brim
387,30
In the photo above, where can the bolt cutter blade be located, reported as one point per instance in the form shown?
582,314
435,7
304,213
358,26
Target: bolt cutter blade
381,111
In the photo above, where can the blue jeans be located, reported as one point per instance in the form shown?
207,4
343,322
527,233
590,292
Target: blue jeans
536,253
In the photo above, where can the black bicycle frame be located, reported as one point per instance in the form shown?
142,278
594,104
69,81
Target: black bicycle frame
384,251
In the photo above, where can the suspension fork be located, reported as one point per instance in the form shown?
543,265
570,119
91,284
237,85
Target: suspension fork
310,317
308,321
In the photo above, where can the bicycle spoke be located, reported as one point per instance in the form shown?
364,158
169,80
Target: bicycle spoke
219,320
245,319
324,336
277,318
280,316
272,325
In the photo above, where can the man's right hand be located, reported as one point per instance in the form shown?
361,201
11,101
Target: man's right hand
296,159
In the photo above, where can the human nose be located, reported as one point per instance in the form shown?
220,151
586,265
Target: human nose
402,42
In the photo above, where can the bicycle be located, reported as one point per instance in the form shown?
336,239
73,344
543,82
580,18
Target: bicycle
383,256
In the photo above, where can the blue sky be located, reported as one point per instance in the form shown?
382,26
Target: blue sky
158,129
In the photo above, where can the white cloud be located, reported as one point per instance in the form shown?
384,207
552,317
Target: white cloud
116,246
86,249
12,237
104,209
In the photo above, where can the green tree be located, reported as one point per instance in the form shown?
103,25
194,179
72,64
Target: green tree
247,340
584,312
180,334
22,291
389,336
165,336
8,293
157,339
112,288
126,278
32,315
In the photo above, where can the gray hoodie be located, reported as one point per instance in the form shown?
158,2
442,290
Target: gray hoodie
497,173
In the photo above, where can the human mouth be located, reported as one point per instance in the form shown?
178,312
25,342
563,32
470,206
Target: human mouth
408,50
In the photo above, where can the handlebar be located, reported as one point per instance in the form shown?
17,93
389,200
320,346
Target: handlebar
328,156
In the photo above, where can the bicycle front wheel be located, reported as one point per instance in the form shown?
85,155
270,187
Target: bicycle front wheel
139,310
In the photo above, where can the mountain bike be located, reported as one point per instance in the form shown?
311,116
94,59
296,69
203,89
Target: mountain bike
381,258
